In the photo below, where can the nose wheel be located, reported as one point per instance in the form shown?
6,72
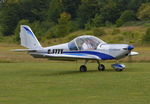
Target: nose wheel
101,67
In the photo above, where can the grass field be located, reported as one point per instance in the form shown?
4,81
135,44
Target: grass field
61,83
25,80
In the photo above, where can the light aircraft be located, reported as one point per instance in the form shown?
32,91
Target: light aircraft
84,47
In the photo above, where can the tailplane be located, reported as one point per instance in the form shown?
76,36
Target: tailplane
28,39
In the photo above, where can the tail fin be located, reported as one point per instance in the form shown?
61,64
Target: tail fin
28,39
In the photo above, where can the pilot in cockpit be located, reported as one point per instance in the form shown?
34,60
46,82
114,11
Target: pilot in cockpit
87,45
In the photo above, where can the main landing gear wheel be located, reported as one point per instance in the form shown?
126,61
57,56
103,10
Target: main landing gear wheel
83,68
101,67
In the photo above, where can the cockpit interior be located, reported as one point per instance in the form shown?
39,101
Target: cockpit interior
85,43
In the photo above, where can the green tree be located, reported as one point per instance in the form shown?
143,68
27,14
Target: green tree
71,7
126,16
33,10
42,14
14,11
54,11
135,4
98,21
9,18
110,11
86,12
62,28
64,18
144,12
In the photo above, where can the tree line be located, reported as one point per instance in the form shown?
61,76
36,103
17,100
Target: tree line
57,18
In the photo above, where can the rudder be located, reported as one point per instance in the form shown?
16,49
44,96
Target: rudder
28,39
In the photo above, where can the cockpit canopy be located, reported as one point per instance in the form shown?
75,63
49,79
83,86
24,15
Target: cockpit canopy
85,42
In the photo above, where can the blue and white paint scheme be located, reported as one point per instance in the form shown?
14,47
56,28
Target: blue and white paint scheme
118,67
84,47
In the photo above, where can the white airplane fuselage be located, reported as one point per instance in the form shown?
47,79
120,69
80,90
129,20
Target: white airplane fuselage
103,51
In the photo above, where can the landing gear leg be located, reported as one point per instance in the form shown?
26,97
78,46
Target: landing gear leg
83,68
101,67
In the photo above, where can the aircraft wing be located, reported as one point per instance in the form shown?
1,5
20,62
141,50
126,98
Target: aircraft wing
66,56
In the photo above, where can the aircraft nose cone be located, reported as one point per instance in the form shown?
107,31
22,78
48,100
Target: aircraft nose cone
130,47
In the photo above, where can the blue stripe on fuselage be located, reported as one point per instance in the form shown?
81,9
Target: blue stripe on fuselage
77,54
100,55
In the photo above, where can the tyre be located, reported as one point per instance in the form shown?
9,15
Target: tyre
83,68
101,67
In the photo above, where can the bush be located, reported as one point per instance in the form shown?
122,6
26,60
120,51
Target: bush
88,26
126,16
17,30
73,26
58,31
99,32
9,17
64,26
40,28
146,38
144,12
98,21
108,24
119,22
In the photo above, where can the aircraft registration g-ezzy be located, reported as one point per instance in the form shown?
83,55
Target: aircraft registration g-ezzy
84,47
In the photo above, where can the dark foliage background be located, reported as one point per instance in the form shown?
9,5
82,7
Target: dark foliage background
57,18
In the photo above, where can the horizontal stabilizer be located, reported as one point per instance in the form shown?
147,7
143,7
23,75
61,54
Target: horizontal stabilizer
24,50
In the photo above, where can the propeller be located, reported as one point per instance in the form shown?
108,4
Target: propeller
129,57
130,47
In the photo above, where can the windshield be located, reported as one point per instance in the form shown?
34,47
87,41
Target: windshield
72,45
85,43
